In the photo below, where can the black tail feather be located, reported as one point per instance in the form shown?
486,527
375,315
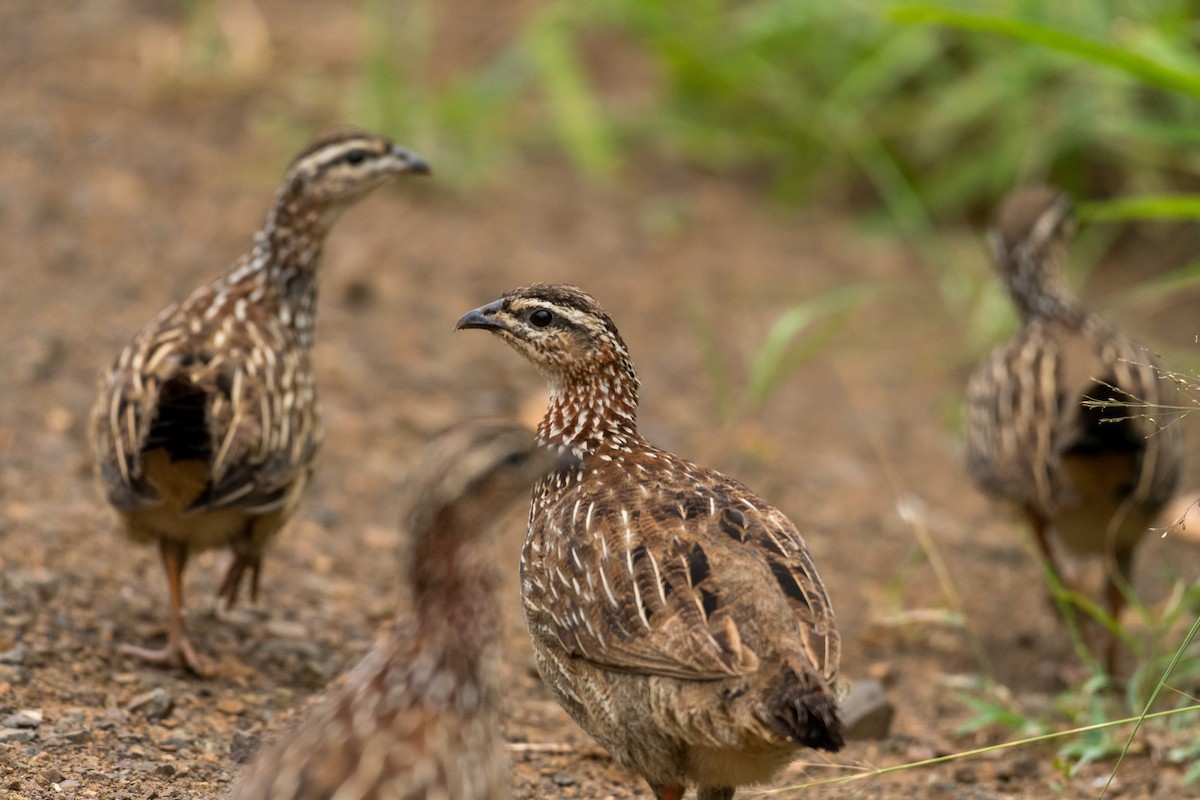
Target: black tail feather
804,710
181,425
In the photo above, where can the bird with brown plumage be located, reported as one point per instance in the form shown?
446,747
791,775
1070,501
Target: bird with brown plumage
417,718
1092,477
205,428
676,615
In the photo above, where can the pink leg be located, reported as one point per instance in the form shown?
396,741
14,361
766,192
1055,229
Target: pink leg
178,651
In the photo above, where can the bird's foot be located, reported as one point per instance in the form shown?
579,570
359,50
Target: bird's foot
177,653
231,585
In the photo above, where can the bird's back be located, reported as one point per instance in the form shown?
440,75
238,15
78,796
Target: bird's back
1032,440
397,729
656,586
207,412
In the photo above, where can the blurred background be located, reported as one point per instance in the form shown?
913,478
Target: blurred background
910,118
782,204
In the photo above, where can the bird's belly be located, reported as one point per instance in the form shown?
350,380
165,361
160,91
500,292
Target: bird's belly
714,766
655,726
179,483
1099,514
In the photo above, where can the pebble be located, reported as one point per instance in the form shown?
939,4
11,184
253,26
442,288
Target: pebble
244,746
286,629
38,359
59,420
564,779
866,711
18,655
16,735
14,674
230,705
25,718
154,704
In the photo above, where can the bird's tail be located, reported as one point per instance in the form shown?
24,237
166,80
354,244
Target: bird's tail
803,709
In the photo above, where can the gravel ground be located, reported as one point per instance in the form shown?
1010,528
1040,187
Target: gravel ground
130,178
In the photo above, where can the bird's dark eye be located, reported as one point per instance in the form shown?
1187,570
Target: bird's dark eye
540,318
516,458
355,157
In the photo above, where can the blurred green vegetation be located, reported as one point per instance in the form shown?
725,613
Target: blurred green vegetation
911,113
917,117
934,110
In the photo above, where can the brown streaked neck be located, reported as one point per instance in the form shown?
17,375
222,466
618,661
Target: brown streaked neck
1038,292
593,410
286,258
294,235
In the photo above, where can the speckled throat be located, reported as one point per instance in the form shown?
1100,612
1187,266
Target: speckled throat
594,409
284,262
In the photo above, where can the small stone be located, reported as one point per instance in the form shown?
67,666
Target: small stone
53,776
15,674
285,629
231,706
77,737
166,770
359,294
25,718
18,655
154,704
16,735
244,746
866,711
564,779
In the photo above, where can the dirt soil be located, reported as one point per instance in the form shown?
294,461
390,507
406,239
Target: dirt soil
131,175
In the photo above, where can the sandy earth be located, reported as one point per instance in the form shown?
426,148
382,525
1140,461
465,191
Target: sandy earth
128,180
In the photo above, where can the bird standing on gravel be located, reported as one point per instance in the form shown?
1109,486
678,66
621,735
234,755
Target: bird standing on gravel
205,428
1095,476
676,615
417,718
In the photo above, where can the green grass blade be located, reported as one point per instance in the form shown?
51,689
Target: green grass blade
779,353
1149,71
1186,277
573,105
1168,206
1045,737
1153,696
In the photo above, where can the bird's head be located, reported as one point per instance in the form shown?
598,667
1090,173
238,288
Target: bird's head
1034,224
561,329
342,166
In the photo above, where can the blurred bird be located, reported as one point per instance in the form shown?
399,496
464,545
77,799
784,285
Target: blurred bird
676,615
205,428
1095,476
417,718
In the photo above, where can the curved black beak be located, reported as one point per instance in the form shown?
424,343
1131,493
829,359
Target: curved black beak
483,317
413,163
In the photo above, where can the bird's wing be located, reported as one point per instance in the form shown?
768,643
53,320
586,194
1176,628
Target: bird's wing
1141,413
644,586
1013,413
225,390
262,416
126,407
1026,410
